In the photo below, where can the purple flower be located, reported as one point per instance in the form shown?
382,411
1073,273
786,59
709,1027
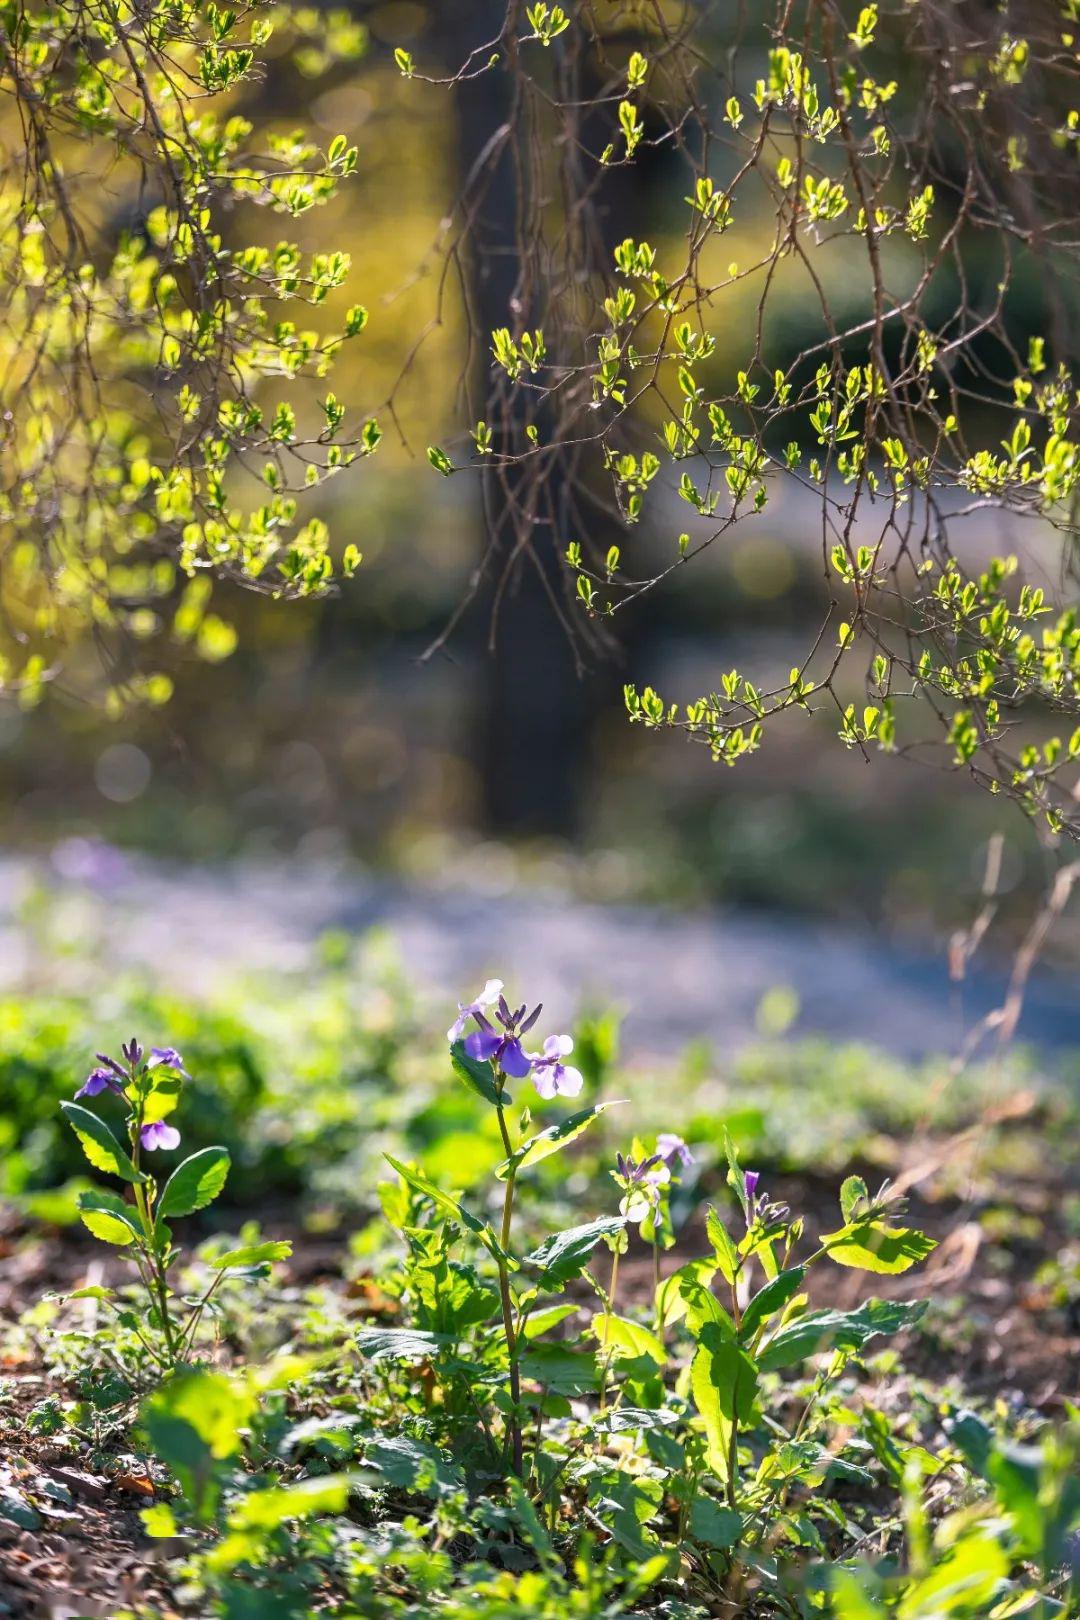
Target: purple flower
504,1051
551,1076
488,997
672,1149
757,1206
97,1081
131,1052
503,1048
641,1183
159,1135
167,1057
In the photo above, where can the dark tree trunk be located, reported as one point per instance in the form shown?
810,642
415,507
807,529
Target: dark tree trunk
539,692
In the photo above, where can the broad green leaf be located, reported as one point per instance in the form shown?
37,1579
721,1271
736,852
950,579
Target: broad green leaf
541,1322
162,1097
449,1206
875,1246
256,1254
552,1140
215,1406
194,1183
770,1299
703,1307
98,1142
853,1192
564,1255
399,1344
159,1520
965,1580
735,1175
851,1600
93,1291
479,1077
281,1504
413,1465
625,1503
564,1371
727,1255
108,1218
715,1526
671,1293
621,1338
723,1382
837,1330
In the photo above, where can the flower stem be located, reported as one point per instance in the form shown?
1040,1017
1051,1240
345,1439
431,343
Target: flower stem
610,1312
153,1259
516,1446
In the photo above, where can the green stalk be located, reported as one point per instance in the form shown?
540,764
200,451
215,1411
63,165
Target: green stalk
516,1446
656,1284
150,1253
611,1312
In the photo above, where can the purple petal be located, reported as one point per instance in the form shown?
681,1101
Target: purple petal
159,1135
97,1080
751,1179
568,1080
672,1147
457,1028
544,1081
513,1060
531,1020
482,1044
167,1057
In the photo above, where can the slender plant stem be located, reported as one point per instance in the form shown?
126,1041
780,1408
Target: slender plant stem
516,1445
656,1286
153,1259
610,1312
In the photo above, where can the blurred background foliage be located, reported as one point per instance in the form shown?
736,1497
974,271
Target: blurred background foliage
325,733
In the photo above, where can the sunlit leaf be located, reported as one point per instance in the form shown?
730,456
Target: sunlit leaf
194,1183
98,1142
552,1140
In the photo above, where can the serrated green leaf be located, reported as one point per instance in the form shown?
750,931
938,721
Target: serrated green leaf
728,1259
98,1143
770,1299
853,1192
714,1525
621,1338
449,1206
837,1330
552,1140
194,1183
876,1246
671,1293
108,1218
255,1254
400,1344
479,1077
723,1382
564,1255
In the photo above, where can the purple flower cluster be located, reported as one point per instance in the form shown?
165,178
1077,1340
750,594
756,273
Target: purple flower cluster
113,1075
757,1206
642,1179
498,1040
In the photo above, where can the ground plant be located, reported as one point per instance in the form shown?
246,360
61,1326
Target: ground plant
679,1398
